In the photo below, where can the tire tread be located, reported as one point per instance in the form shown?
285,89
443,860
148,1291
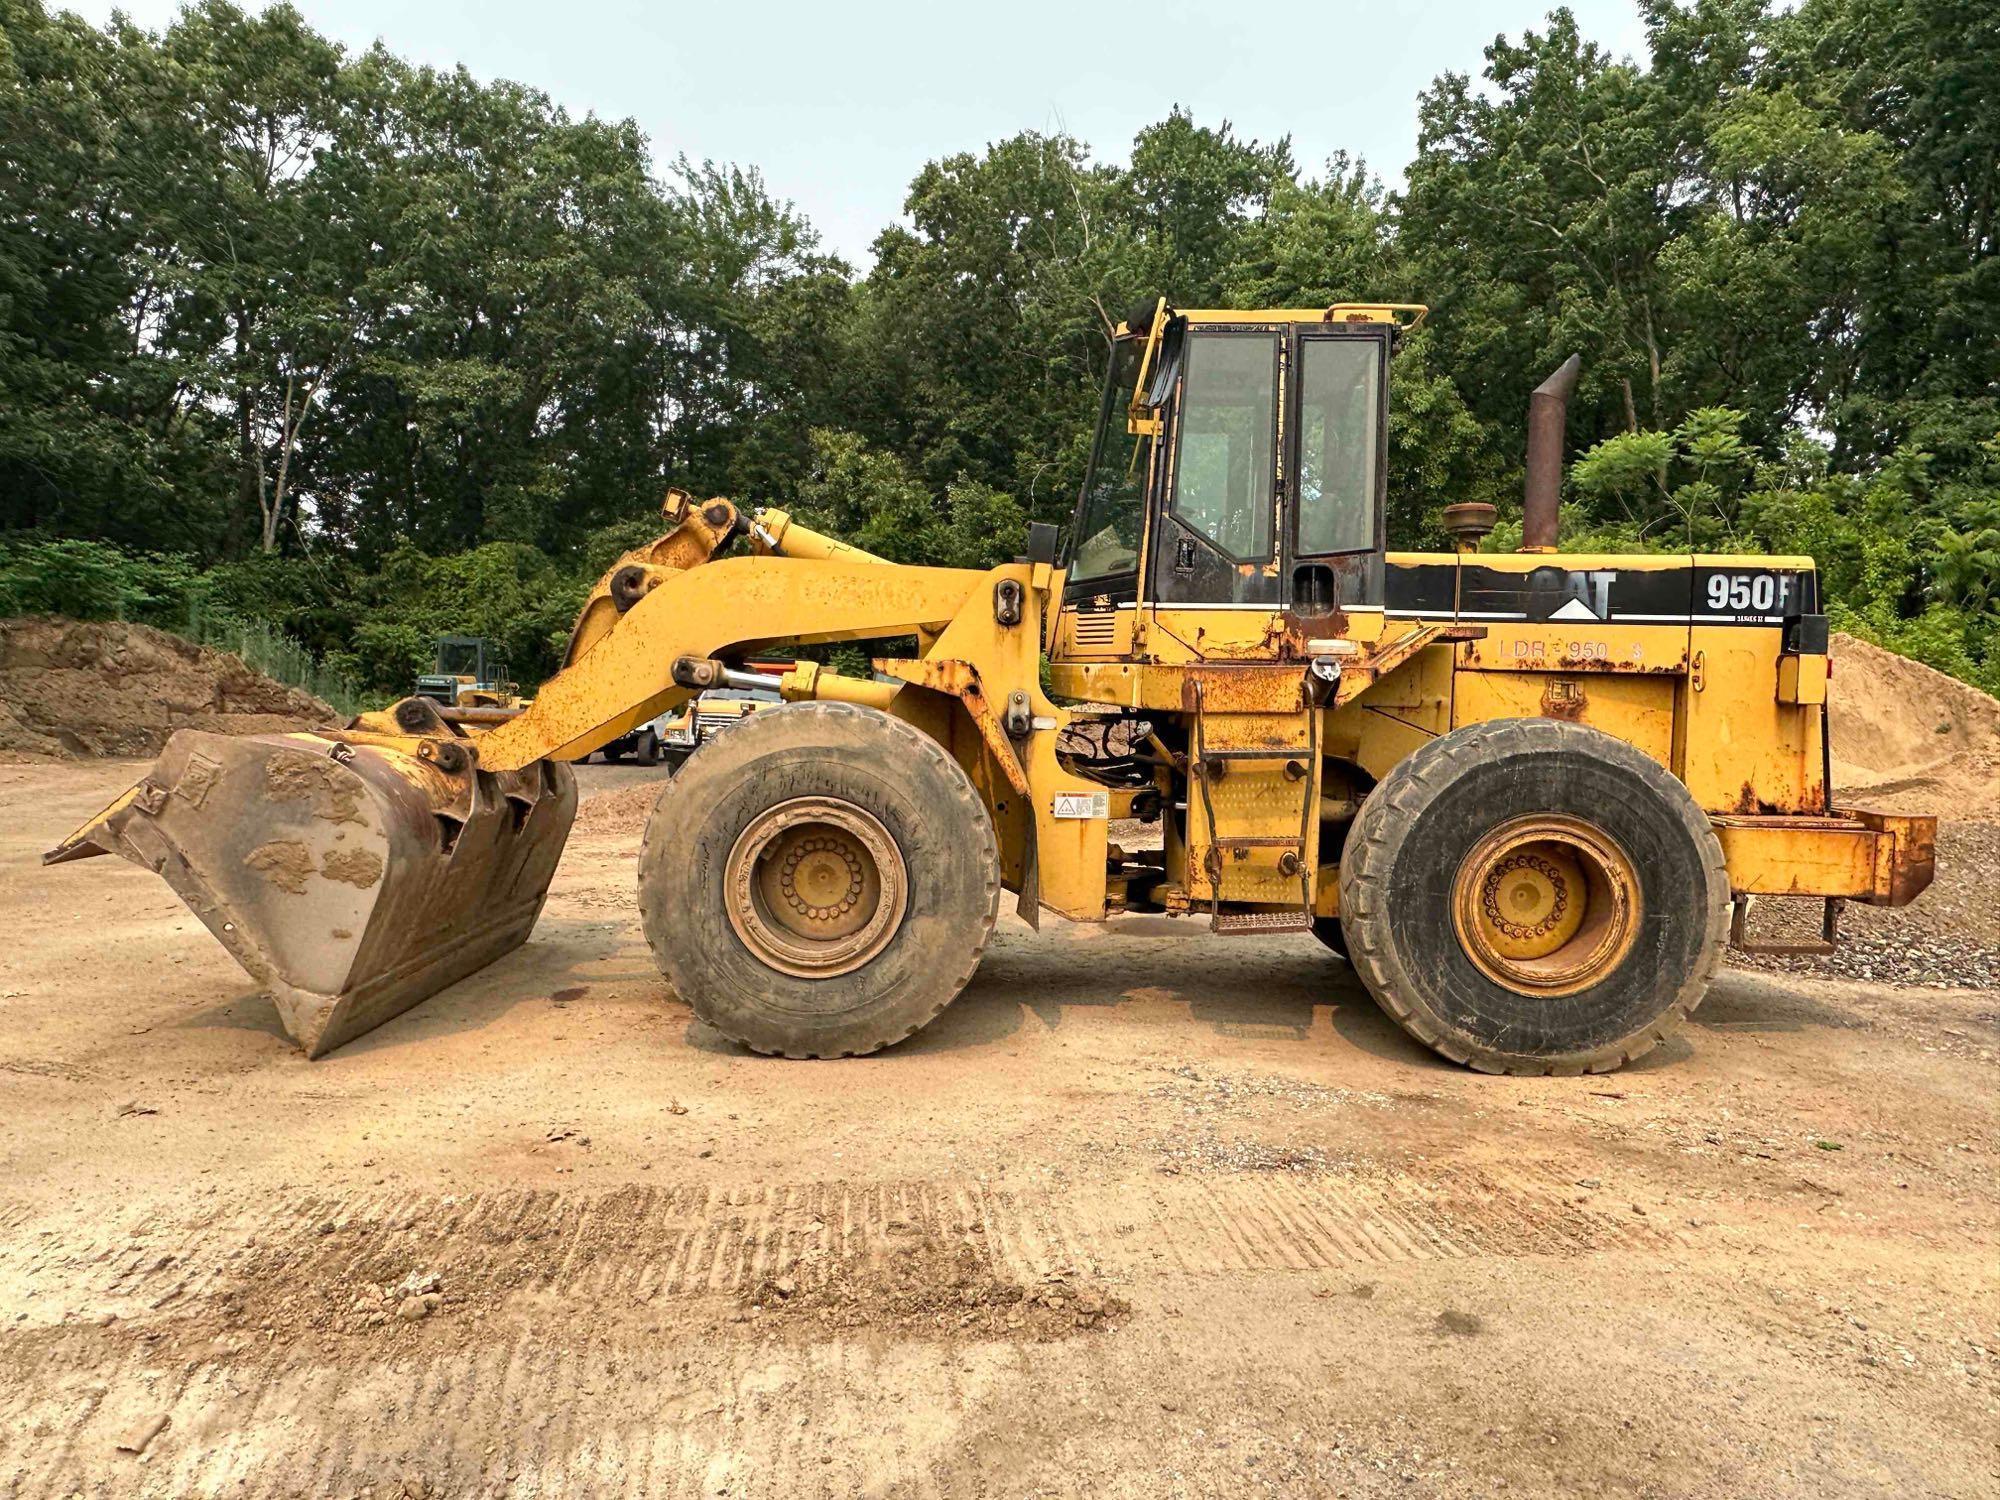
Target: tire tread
1385,820
906,740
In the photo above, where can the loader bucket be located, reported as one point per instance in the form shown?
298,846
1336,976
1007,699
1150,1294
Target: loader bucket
350,880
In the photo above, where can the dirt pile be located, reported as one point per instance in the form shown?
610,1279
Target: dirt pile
919,1288
79,688
1909,738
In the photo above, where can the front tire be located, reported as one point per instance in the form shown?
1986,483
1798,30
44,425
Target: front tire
1529,896
819,882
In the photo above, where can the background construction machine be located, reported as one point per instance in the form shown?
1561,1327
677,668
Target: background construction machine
1522,792
469,672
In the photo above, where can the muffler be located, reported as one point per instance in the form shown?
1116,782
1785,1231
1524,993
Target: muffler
350,879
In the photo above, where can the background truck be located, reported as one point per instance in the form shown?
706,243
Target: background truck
677,734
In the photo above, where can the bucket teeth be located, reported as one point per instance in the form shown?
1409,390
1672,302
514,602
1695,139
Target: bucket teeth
350,880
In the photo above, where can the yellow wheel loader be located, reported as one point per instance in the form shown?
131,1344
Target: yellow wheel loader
470,673
1528,795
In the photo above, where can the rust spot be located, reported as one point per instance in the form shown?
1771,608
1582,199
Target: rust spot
355,867
1563,699
335,794
1913,859
1290,634
1243,688
283,862
1576,662
1750,804
343,932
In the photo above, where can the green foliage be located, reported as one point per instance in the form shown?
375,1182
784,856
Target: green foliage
1904,561
507,591
92,581
1682,485
280,658
364,352
872,500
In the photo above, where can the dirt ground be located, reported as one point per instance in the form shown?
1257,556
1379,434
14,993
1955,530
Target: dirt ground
1141,1215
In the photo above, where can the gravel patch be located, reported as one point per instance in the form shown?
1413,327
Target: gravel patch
1924,963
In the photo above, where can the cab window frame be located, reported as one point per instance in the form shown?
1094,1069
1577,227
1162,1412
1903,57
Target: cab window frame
1141,456
1381,342
1198,338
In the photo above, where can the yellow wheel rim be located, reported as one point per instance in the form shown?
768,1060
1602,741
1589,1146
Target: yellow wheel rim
1546,904
816,887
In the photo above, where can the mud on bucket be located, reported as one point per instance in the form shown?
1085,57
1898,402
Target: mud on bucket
350,880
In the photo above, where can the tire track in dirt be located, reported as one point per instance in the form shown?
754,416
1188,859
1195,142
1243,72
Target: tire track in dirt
519,1415
644,1245
556,1302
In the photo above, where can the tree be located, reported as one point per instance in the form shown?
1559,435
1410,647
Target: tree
361,347
1687,480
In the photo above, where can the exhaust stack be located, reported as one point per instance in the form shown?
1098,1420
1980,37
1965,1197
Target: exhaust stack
1548,416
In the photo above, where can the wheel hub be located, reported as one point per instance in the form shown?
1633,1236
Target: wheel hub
1546,904
816,887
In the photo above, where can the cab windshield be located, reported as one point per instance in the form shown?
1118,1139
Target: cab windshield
459,658
1109,517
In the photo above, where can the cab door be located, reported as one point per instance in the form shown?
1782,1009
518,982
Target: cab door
1219,529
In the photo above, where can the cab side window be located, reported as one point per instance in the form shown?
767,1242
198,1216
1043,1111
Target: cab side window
1339,432
1224,471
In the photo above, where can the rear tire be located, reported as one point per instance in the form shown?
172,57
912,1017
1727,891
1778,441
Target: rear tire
819,882
648,753
1529,896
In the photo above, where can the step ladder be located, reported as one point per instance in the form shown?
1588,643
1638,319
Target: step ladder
1292,766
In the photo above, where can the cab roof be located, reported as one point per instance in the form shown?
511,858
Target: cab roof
1402,314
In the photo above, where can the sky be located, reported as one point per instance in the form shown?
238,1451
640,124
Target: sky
840,105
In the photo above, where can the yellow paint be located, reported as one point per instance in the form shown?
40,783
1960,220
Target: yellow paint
1747,752
1638,710
737,604
1802,679
808,680
1406,314
1800,857
1250,811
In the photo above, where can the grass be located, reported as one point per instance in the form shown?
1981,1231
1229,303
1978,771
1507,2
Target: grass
275,654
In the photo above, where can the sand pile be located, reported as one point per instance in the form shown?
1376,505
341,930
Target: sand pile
74,688
1909,738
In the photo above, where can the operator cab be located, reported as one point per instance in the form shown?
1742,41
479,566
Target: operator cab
1238,464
